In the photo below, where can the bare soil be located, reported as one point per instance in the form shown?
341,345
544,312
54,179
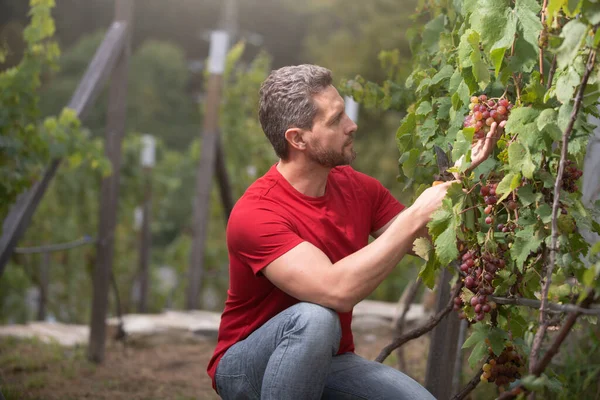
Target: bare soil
171,367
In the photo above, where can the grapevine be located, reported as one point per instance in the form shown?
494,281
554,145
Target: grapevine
513,226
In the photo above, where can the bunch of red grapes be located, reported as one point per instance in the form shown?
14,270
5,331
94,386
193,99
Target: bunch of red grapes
504,369
488,191
570,176
480,270
484,113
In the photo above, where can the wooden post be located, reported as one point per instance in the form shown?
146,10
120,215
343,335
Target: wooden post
147,159
109,194
442,349
44,282
206,167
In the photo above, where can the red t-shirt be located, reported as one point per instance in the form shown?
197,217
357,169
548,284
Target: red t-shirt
270,219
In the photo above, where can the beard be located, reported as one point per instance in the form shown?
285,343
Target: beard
330,158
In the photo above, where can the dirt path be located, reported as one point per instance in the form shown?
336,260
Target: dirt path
156,368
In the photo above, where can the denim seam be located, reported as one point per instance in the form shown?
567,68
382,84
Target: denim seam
240,375
287,344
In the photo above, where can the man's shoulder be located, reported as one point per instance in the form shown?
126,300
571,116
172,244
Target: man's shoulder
259,194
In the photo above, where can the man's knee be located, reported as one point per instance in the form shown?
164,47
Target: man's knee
317,321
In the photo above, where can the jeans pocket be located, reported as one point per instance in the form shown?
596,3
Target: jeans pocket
235,387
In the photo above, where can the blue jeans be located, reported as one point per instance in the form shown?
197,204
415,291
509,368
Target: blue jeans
293,357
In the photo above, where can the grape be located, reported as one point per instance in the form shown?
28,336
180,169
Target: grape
474,100
570,176
491,200
501,110
489,220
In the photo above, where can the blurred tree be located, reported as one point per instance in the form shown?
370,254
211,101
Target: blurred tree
158,100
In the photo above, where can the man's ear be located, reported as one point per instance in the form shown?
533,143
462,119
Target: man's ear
296,138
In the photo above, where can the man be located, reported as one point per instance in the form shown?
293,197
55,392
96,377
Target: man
300,259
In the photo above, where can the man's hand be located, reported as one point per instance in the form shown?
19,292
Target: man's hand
430,200
482,148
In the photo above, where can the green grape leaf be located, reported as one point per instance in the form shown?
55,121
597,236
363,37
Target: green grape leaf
427,273
544,211
527,197
497,56
529,25
517,324
480,69
462,145
428,129
494,20
431,34
526,240
519,160
497,338
444,105
424,108
566,83
591,12
408,126
409,161
422,246
443,74
446,248
534,92
547,123
564,115
573,34
510,182
553,7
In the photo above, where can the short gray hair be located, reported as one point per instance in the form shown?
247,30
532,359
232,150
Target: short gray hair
286,101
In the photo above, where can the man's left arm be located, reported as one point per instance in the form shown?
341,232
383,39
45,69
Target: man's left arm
423,233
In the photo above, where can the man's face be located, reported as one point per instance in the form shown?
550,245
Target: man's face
330,141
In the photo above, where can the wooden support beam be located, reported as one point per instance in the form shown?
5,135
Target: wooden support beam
19,217
442,348
206,172
109,193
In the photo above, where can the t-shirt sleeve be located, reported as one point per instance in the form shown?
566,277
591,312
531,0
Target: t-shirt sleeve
258,236
384,206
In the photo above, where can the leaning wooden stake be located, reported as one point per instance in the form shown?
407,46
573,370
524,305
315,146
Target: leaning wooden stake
109,195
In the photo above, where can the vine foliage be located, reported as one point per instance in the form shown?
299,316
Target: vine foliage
27,142
515,229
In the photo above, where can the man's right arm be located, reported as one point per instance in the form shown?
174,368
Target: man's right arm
307,274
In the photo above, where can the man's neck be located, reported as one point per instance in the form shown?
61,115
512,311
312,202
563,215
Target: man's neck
308,179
